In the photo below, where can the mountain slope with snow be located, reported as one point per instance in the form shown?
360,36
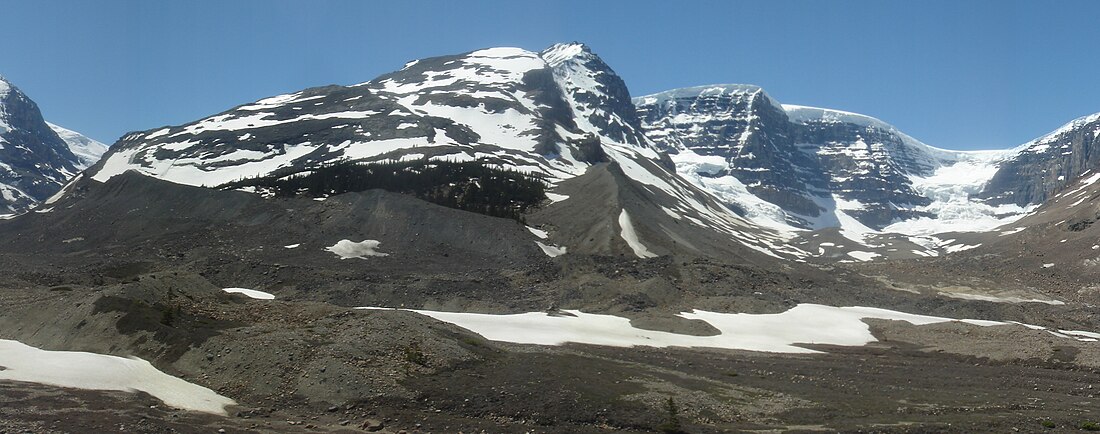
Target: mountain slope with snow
35,162
1049,164
556,113
86,150
815,168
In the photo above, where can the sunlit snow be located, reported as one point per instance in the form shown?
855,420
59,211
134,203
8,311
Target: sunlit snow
631,237
250,293
347,249
92,371
779,333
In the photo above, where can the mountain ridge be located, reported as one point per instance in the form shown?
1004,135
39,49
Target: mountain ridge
36,157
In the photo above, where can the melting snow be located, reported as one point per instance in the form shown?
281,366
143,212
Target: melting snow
960,247
551,250
980,297
250,293
92,371
863,256
554,197
778,333
538,232
631,237
347,249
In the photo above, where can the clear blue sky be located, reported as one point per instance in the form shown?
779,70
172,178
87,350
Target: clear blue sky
955,74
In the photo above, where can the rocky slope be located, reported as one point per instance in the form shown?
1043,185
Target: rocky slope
36,158
1048,165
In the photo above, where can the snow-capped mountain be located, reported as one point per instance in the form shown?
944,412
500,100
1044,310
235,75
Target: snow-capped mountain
36,158
556,113
816,168
87,151
1049,164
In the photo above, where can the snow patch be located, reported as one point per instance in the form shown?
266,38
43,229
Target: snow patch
980,297
250,293
347,249
551,250
92,371
863,256
631,237
538,232
777,333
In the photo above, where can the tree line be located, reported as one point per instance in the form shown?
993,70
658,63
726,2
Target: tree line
476,186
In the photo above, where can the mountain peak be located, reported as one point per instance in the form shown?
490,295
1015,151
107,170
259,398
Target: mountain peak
562,52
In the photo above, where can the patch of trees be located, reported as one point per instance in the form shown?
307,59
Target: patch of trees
476,186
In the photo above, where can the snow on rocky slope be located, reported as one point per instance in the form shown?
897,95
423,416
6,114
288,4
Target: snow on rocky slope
36,158
554,113
87,151
805,168
722,158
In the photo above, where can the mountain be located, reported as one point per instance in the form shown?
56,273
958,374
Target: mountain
1049,164
87,151
700,260
813,168
36,158
558,114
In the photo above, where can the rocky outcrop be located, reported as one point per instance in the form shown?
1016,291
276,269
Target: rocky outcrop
1049,164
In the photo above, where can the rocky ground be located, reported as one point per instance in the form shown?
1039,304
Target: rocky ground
304,366
87,279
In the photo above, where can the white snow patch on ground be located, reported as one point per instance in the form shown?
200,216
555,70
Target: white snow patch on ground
979,297
1090,335
1048,265
551,250
631,237
863,256
961,247
538,232
291,246
92,371
250,293
1011,231
347,249
776,333
555,198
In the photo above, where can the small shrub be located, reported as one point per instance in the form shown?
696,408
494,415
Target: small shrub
475,186
672,422
1090,426
414,355
471,341
1048,424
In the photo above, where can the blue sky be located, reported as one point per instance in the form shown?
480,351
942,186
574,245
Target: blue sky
954,74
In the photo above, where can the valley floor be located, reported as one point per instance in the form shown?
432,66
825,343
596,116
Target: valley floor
948,377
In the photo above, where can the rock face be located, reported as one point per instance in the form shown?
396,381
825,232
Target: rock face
34,160
1049,164
803,166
